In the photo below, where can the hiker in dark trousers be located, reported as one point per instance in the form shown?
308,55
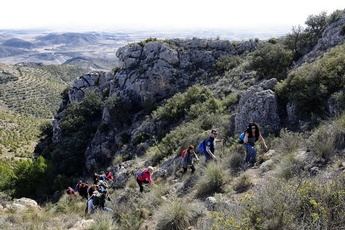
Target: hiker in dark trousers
252,135
188,159
144,177
96,201
210,145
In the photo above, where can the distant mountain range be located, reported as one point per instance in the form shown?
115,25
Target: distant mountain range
97,49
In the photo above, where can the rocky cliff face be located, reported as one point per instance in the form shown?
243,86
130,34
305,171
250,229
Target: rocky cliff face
148,73
333,35
156,70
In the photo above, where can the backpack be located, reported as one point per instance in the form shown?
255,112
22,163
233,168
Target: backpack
183,153
241,138
140,172
201,149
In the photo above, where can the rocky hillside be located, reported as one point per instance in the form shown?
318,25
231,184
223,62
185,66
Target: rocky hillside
168,94
153,71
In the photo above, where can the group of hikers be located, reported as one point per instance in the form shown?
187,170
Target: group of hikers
97,193
207,148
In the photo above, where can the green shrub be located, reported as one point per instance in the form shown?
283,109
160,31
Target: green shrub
271,60
288,142
69,204
213,181
236,161
103,221
212,105
177,215
242,184
290,166
227,63
119,110
310,85
325,140
312,204
178,106
24,178
335,16
7,175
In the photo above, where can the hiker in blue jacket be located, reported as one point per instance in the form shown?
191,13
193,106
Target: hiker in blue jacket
207,146
252,135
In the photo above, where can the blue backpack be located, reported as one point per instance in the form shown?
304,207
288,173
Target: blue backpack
241,138
201,149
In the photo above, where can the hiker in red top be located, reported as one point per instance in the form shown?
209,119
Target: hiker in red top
109,176
144,177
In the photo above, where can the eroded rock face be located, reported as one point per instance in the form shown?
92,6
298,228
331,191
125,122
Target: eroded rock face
94,81
258,104
154,70
332,36
149,72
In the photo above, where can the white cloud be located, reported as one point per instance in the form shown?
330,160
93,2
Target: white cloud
160,13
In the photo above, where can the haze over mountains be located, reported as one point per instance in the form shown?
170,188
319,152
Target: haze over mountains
91,50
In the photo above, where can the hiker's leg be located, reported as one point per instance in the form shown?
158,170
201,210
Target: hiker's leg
90,206
251,154
193,168
140,185
253,158
247,146
184,170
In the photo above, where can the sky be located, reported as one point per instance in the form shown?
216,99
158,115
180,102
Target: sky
160,14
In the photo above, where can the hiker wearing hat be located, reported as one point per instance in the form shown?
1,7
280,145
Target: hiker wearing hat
188,159
144,177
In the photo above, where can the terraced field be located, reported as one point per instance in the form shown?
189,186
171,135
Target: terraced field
18,134
29,96
34,90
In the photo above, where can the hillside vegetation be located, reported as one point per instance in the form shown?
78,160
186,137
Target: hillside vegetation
29,98
167,95
35,90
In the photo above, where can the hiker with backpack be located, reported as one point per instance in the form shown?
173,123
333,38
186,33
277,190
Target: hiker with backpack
248,138
188,159
82,188
207,146
96,201
144,177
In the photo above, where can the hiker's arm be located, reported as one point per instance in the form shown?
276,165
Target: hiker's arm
245,139
150,179
209,152
196,157
263,142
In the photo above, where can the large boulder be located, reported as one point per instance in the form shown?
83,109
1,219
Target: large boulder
259,104
22,204
83,224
